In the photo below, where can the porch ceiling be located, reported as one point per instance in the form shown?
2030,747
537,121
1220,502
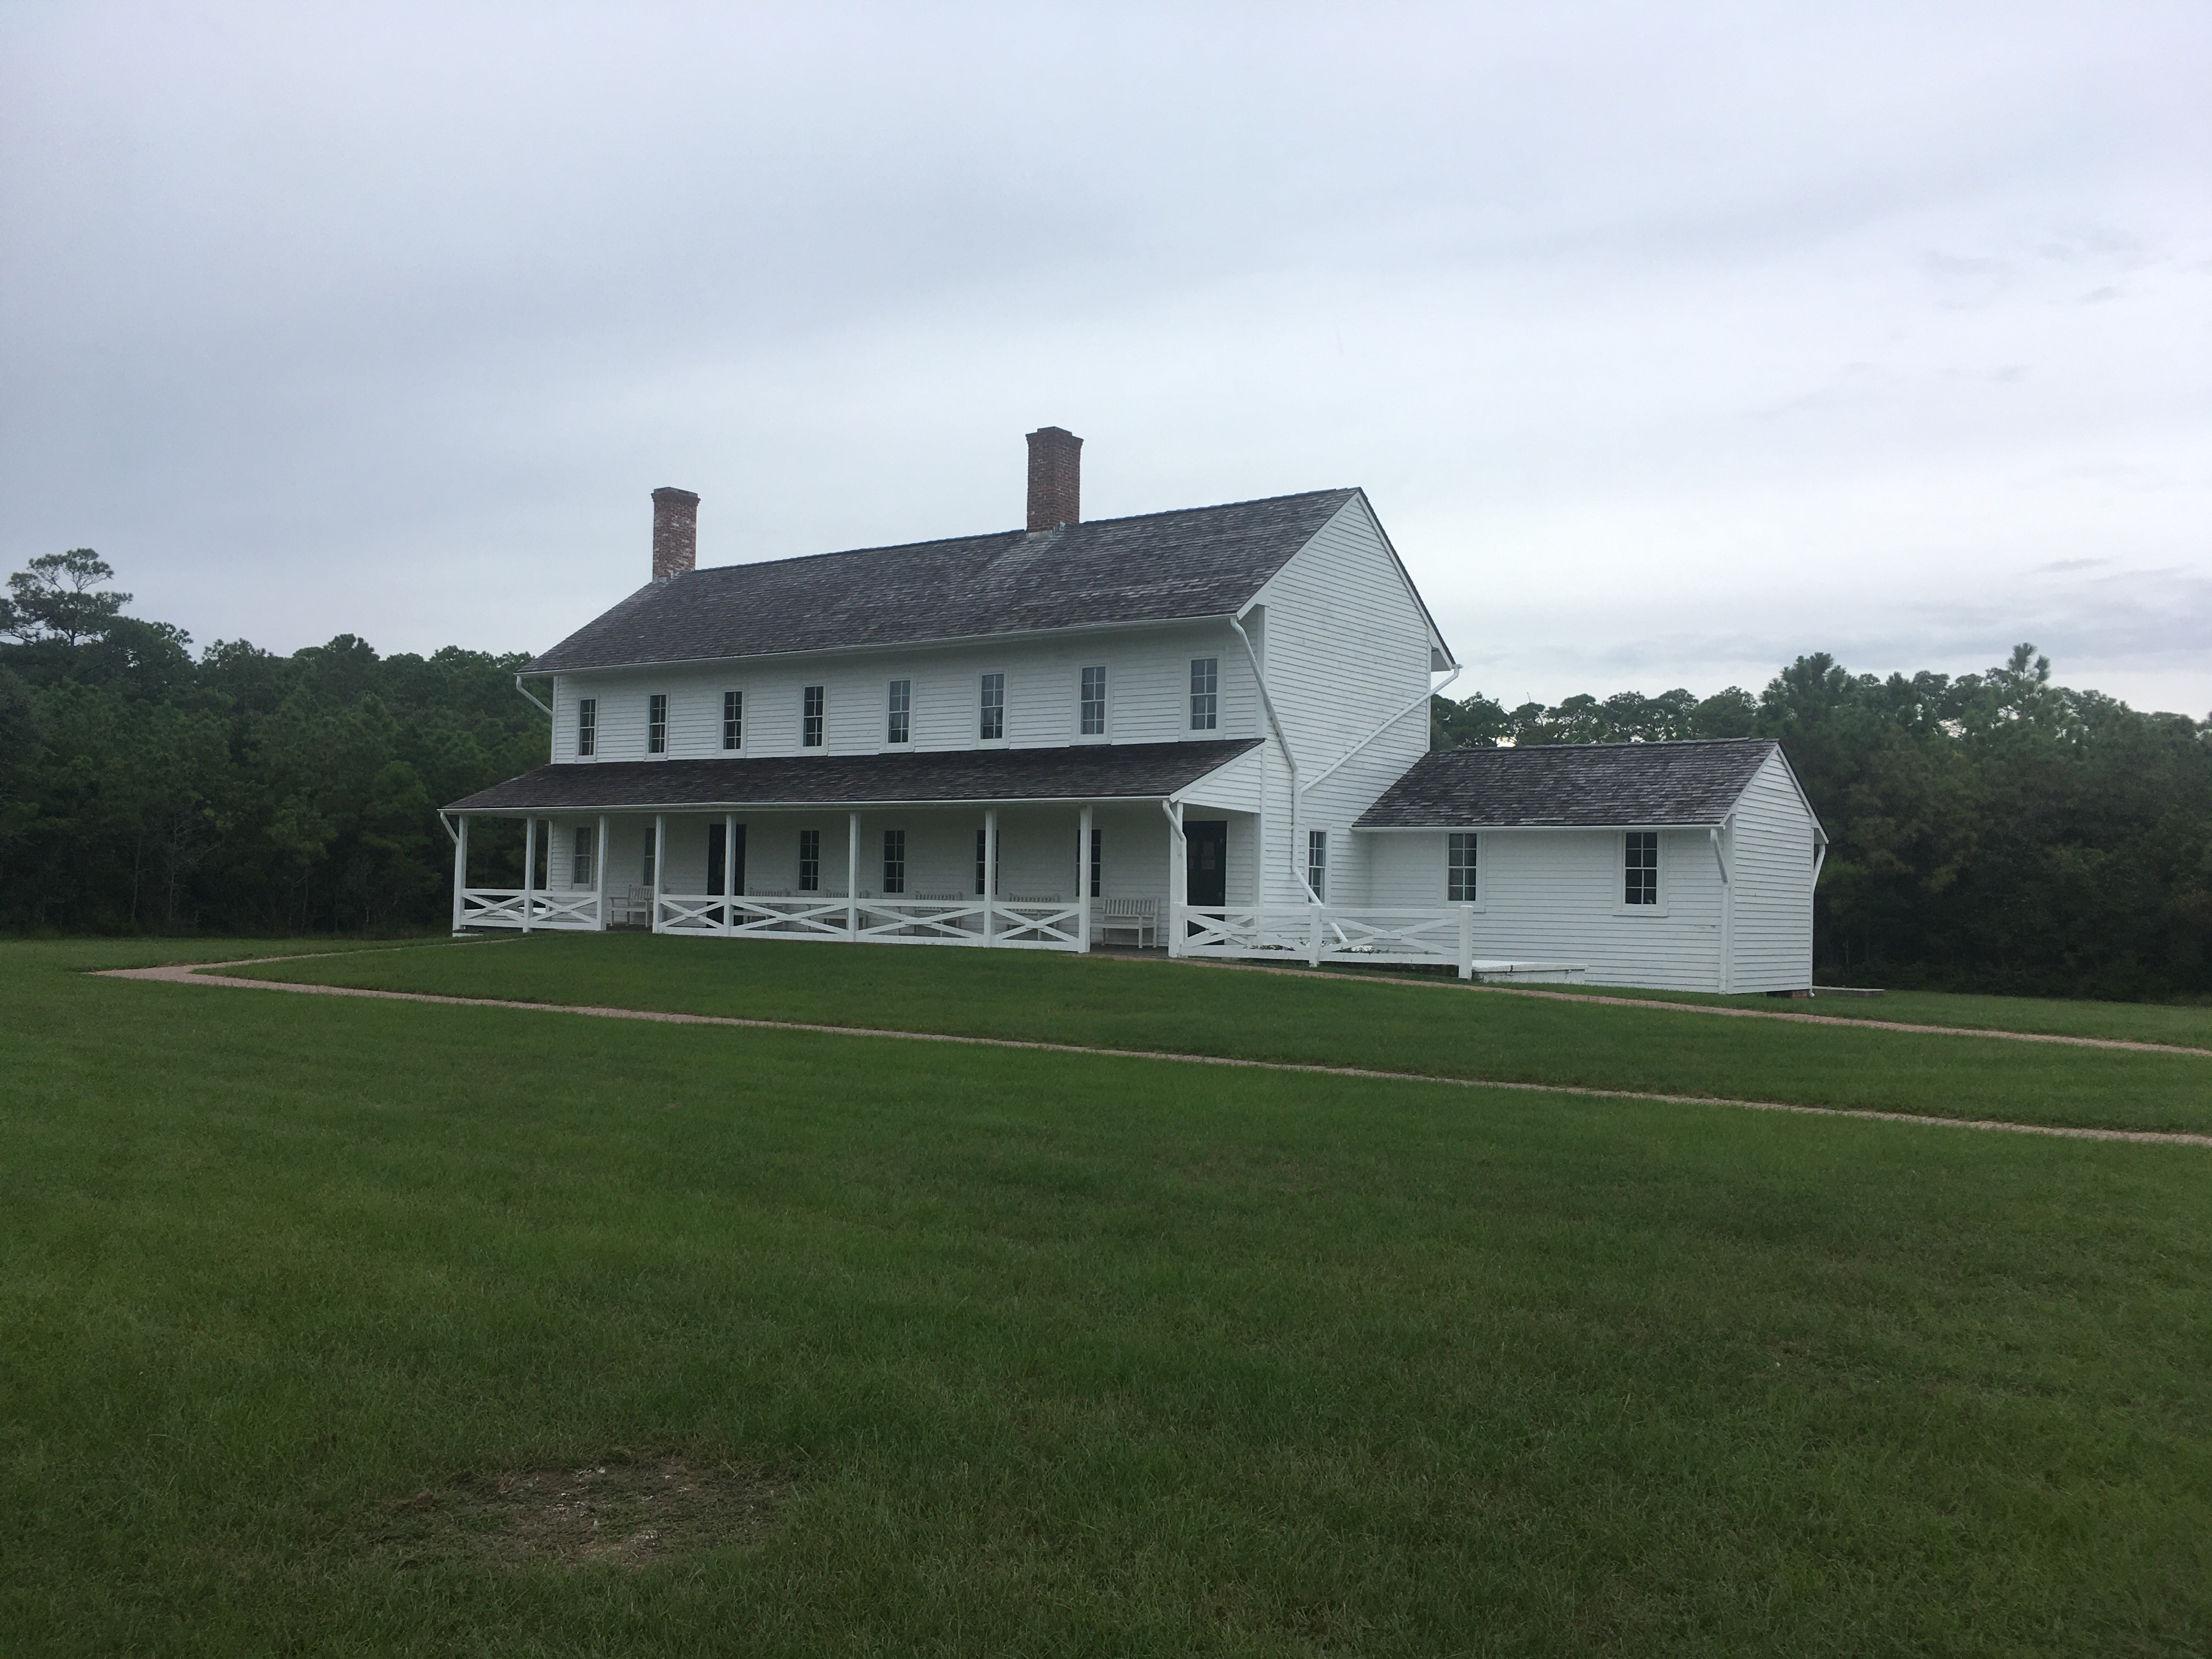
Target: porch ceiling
1089,772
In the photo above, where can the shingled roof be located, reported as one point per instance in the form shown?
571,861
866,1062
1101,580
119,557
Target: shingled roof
1121,771
1568,786
1202,561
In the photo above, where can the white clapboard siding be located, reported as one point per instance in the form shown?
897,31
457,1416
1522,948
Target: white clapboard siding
1770,924
1555,894
1147,689
1345,647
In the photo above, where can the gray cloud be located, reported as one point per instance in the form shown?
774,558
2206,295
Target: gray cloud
1684,342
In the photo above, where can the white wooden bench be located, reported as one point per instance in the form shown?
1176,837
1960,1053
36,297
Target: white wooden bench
1138,916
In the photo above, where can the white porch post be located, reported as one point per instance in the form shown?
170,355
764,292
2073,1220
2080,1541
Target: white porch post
660,862
729,871
1313,937
1083,877
1467,941
1178,877
990,875
599,872
529,865
853,876
460,868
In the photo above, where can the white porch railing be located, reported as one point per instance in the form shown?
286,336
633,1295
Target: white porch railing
502,907
1312,933
1042,925
1318,934
811,916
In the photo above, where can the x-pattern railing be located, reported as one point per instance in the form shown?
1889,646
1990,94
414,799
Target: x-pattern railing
813,916
503,907
1039,925
1321,933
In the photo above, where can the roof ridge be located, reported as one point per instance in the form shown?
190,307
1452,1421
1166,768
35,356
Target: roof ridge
1631,742
994,535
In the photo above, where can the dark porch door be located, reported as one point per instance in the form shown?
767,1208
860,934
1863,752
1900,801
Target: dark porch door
717,846
1206,882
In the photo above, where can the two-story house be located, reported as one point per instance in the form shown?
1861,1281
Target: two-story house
1202,729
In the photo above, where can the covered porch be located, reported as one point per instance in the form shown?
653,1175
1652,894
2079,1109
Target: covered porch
1052,849
1153,847
1029,875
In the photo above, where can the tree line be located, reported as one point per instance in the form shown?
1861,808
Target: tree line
1990,832
1993,831
144,789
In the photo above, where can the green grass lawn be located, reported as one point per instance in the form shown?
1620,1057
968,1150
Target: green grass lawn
1059,1355
1196,1008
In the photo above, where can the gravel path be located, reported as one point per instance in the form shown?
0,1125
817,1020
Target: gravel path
1709,1008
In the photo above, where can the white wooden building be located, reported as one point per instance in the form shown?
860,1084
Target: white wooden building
1200,730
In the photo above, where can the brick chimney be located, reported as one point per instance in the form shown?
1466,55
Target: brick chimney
675,532
1056,478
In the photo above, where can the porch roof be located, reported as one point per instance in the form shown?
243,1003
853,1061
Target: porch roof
1140,771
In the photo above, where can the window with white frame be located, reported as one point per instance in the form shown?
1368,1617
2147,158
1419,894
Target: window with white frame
894,861
656,724
588,726
898,725
1205,693
1317,863
652,846
1640,856
1092,708
734,719
579,871
993,726
810,861
810,703
1462,848
1098,860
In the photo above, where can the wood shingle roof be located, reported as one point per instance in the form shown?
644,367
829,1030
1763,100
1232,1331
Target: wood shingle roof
1162,566
1568,786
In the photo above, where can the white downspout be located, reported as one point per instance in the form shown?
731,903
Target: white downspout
1267,703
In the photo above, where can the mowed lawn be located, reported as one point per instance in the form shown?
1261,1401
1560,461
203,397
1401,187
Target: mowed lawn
1068,1355
1440,1028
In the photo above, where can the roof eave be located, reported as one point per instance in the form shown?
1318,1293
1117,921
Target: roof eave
1488,829
936,642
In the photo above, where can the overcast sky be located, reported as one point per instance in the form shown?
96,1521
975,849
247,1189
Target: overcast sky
1670,342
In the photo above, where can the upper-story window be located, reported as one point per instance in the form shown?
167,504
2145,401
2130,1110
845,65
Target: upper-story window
993,726
898,720
1092,708
1640,857
734,719
1317,864
1205,693
656,724
588,726
1460,873
810,717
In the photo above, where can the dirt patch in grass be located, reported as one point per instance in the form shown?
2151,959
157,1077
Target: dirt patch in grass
632,1512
